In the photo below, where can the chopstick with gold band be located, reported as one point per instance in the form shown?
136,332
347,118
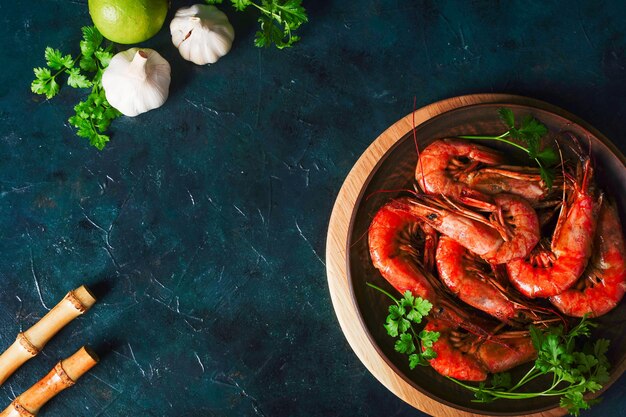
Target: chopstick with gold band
62,376
29,344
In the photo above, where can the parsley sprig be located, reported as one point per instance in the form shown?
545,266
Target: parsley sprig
403,314
279,20
574,372
529,132
94,114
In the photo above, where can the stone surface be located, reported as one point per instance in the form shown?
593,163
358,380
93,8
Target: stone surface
202,224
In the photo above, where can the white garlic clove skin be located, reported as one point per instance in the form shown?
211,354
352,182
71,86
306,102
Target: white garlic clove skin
202,33
136,81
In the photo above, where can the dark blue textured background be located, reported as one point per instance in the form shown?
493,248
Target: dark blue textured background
202,224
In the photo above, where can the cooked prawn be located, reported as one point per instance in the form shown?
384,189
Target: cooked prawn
511,232
396,239
470,173
465,357
525,182
473,281
549,274
393,238
602,285
444,164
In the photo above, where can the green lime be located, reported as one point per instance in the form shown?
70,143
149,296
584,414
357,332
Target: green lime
128,21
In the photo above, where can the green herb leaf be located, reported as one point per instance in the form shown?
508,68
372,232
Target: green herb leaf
104,57
548,156
405,344
428,338
574,402
547,176
92,38
532,129
241,5
278,21
56,60
507,117
396,323
417,360
407,299
403,313
422,306
88,63
93,115
502,380
76,79
44,83
428,354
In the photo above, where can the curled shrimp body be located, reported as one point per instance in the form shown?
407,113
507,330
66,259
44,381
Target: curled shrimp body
465,357
469,279
602,285
511,232
444,164
396,242
571,246
470,173
392,235
521,225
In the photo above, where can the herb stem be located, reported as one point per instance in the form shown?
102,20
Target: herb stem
525,378
498,138
267,12
383,291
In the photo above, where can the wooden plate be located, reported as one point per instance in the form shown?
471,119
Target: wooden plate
388,164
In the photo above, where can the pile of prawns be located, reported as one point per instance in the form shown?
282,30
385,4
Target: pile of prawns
492,236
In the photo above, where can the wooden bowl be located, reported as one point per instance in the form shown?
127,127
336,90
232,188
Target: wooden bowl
389,164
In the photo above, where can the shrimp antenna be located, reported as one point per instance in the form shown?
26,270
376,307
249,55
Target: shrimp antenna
558,146
417,148
561,216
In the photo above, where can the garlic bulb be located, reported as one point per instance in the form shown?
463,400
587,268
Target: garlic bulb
136,80
202,33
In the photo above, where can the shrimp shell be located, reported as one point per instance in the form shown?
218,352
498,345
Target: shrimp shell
478,357
604,281
513,217
462,275
571,246
443,165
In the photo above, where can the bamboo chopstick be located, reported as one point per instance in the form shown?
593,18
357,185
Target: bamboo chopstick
29,344
62,376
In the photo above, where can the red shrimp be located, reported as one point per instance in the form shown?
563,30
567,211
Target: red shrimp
392,239
525,182
444,164
395,237
498,357
472,280
511,232
452,168
602,285
571,246
465,357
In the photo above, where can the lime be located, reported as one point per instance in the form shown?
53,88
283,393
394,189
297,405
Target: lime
128,21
